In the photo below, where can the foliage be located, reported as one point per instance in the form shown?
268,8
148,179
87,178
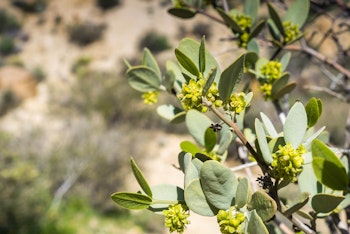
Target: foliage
8,22
296,154
7,45
35,6
106,4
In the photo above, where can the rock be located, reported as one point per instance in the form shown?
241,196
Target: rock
19,81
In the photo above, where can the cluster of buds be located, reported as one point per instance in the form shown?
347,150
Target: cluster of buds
231,221
236,103
245,23
291,31
150,97
288,162
176,217
270,72
191,95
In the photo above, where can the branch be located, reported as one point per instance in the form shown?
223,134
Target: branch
239,134
309,51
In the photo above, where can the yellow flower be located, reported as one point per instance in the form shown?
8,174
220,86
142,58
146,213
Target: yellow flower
150,97
291,31
271,70
176,217
231,221
237,102
288,162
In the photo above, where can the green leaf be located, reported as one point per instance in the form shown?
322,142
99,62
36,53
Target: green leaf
163,193
298,12
169,111
257,29
280,83
209,81
276,18
243,193
189,147
149,61
264,205
285,60
196,200
261,138
295,126
298,204
230,78
311,138
284,90
253,46
251,8
255,224
225,139
143,79
210,139
186,62
174,77
313,111
190,47
140,178
308,182
132,201
183,13
184,160
201,55
219,184
325,203
328,168
270,129
229,21
274,33
192,171
197,123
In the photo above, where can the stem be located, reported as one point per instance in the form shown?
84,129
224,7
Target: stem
239,134
308,50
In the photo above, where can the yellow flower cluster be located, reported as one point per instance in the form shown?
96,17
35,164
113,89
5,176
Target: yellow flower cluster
288,162
191,95
291,31
231,221
237,102
176,217
270,72
244,22
150,97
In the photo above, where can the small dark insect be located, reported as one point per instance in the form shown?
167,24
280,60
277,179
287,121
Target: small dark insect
265,181
216,127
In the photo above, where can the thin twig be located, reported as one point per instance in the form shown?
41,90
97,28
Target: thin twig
308,50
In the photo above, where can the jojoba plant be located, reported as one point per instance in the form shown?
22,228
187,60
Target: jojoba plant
296,155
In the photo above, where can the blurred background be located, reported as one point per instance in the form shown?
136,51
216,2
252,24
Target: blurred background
69,122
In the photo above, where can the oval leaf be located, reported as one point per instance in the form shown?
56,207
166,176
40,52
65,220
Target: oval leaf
219,184
325,203
143,79
328,168
165,192
243,193
169,111
295,126
276,18
186,62
313,111
298,12
183,13
196,201
261,138
140,178
210,139
255,224
189,147
251,8
264,205
229,21
197,123
230,77
149,61
269,126
132,201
